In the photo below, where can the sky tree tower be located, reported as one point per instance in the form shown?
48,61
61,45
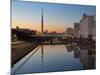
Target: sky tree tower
42,22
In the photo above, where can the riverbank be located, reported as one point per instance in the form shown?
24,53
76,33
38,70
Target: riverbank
20,49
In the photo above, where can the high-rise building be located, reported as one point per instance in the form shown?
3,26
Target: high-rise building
76,29
86,25
94,30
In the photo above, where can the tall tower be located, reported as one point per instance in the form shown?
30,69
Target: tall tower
42,21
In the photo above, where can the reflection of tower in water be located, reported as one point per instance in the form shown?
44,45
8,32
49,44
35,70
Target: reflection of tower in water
42,55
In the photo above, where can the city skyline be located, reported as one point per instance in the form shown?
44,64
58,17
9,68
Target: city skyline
57,17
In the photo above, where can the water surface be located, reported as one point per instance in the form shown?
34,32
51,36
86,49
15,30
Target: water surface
50,58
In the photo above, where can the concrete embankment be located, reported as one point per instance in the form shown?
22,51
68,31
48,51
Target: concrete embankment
19,50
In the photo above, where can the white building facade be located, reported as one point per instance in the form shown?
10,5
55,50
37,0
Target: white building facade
86,25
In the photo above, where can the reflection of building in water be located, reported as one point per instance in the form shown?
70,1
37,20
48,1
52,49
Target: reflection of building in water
69,48
75,49
86,56
87,60
76,52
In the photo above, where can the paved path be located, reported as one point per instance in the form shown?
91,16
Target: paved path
19,50
17,42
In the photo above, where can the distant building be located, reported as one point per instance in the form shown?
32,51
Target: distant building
46,32
21,32
69,32
53,33
86,25
76,29
25,31
17,28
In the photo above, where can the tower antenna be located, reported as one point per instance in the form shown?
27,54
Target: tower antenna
42,21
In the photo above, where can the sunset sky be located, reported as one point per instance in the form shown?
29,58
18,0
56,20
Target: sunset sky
57,17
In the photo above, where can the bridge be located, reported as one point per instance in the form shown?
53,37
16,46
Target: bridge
49,35
50,38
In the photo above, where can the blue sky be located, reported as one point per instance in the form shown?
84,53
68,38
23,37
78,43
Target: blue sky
57,17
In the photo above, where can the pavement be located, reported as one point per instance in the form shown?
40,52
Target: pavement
20,49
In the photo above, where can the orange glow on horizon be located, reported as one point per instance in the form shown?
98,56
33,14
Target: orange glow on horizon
37,27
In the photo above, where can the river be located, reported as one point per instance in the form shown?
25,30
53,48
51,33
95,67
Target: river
51,58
